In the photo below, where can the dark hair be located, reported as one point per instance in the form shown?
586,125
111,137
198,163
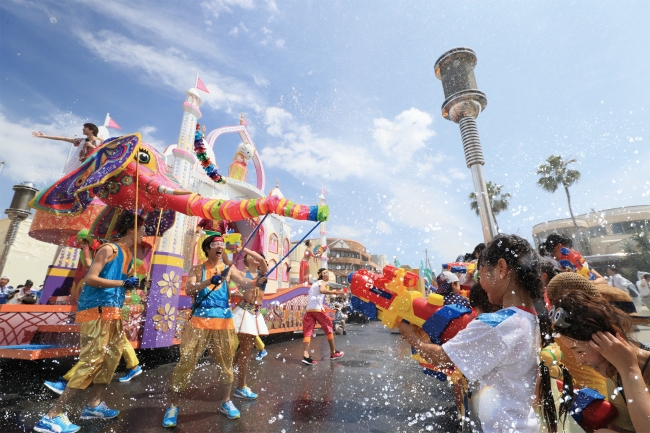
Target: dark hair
541,250
588,315
555,239
29,283
320,273
523,260
92,127
549,267
205,245
478,249
308,243
125,222
478,300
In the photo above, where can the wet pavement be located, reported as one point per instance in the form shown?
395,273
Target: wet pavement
375,388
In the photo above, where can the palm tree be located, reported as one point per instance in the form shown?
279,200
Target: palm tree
554,173
499,201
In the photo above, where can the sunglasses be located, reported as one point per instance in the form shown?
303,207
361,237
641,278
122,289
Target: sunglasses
217,244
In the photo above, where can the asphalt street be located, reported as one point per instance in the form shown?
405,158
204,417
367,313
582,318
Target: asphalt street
375,387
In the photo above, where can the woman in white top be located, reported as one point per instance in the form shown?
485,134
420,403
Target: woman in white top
85,146
500,350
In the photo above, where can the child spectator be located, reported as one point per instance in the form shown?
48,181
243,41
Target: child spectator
500,350
449,288
339,320
479,301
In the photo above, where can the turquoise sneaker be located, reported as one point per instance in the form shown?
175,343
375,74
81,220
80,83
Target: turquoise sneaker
101,411
135,371
245,393
229,410
261,354
58,386
171,416
59,424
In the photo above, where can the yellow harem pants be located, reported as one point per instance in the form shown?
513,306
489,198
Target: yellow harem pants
102,342
259,344
128,353
221,345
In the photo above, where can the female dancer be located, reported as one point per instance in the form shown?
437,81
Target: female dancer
499,350
249,322
600,336
304,263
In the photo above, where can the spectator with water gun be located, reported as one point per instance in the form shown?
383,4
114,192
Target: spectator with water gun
500,350
449,288
600,336
560,247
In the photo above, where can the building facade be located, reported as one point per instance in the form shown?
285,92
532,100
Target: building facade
606,231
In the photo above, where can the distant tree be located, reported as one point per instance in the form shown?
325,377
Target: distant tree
499,201
638,250
555,173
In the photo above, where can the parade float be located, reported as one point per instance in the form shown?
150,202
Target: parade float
180,195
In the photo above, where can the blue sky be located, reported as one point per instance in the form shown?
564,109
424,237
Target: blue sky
343,95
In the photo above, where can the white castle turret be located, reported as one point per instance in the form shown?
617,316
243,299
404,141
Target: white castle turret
181,236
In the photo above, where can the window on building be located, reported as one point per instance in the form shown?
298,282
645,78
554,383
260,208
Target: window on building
629,227
598,231
286,247
273,275
273,243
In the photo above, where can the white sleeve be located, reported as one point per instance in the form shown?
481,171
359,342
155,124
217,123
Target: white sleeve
476,350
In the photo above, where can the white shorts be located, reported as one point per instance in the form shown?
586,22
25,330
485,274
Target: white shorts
247,322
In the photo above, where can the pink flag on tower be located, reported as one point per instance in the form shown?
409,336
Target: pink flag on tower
323,190
112,124
200,85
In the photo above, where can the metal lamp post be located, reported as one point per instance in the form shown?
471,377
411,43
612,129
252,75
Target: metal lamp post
463,103
18,212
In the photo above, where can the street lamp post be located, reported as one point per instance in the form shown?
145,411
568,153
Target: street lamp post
17,212
463,103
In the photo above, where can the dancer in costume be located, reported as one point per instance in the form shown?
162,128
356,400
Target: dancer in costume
304,263
211,326
99,312
248,320
315,312
85,146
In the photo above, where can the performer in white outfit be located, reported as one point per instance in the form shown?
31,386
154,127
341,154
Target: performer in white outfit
249,321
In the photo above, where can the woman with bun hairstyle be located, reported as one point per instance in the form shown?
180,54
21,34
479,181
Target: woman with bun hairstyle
600,336
500,350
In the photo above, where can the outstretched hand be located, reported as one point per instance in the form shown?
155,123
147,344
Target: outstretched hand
407,329
38,134
616,350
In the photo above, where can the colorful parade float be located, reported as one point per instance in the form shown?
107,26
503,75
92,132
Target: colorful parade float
181,196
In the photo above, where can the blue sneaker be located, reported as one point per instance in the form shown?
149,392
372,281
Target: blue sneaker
101,411
261,354
58,386
229,410
135,371
245,393
59,424
171,416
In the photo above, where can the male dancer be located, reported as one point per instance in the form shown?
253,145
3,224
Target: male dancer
315,312
100,313
211,326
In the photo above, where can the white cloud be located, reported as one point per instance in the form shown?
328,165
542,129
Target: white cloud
36,159
405,135
147,132
279,43
216,7
261,81
234,31
383,227
171,68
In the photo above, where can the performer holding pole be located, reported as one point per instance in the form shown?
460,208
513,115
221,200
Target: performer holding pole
99,312
211,326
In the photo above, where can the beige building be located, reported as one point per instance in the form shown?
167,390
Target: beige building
606,231
28,259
